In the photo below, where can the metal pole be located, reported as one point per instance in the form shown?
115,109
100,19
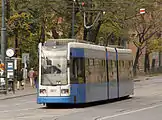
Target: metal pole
3,41
3,33
73,18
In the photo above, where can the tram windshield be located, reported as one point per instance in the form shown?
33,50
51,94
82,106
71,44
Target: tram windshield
53,67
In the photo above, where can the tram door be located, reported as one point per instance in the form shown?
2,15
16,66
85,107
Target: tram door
112,74
77,80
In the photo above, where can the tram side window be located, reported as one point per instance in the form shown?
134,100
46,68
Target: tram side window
130,63
73,70
123,64
102,70
89,70
77,70
110,65
120,65
126,65
130,68
95,70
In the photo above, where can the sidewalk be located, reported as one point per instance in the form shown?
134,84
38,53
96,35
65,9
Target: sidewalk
19,93
147,77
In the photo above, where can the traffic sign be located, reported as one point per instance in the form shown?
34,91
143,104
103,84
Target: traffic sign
25,57
10,52
142,10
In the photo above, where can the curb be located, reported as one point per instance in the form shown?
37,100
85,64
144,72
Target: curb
17,96
137,80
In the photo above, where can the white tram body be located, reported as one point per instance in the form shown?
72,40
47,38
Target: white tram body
80,73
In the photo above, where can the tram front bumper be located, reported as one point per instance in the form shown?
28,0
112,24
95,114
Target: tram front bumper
44,100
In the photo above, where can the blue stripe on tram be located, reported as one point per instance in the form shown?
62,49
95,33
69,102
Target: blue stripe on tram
107,54
78,91
77,52
54,99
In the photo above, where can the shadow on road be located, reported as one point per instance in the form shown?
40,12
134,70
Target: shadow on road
71,106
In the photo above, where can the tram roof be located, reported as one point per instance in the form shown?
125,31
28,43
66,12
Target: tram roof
84,44
129,51
97,47
88,46
53,42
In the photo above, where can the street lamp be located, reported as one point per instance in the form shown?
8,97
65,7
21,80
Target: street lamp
73,18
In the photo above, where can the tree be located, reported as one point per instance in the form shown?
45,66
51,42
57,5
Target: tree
113,26
146,27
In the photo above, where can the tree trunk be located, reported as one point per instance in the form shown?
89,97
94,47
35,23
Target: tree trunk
159,59
96,31
16,43
85,34
42,31
55,35
147,63
153,65
112,40
136,62
17,54
91,34
7,9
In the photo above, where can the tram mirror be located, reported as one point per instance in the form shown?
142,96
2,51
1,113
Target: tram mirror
68,63
49,62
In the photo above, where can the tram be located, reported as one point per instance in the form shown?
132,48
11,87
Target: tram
76,72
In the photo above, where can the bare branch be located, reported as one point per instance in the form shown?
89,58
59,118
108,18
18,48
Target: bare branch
150,36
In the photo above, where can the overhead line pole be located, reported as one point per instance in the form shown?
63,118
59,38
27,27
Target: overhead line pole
73,18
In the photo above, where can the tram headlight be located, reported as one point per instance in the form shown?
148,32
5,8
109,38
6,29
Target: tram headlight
64,91
43,91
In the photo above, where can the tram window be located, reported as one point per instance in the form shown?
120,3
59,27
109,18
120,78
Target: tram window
126,64
91,62
77,70
122,63
88,61
130,63
96,62
111,64
87,70
104,63
119,65
115,63
81,70
73,70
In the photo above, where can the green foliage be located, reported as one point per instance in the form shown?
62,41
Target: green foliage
154,45
20,22
35,18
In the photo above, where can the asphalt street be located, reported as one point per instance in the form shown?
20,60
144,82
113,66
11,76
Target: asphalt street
145,104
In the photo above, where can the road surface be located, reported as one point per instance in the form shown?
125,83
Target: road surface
146,104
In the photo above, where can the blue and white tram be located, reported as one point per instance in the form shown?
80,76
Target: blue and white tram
81,73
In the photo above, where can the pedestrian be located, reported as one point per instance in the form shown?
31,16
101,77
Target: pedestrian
36,78
31,77
20,79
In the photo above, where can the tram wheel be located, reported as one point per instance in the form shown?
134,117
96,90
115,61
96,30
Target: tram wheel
48,105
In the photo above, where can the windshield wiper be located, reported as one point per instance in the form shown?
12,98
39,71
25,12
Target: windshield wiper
51,83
